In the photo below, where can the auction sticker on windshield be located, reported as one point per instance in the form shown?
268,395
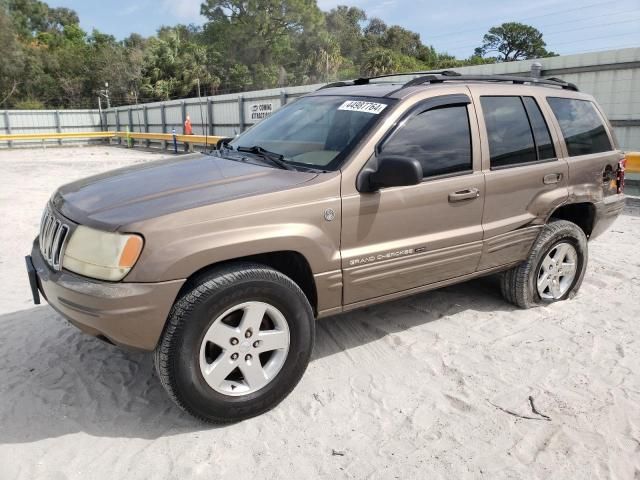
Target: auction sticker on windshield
361,106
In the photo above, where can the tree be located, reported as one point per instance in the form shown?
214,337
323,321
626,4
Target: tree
261,35
174,66
378,62
32,17
323,58
11,61
118,63
514,41
260,31
401,40
344,25
376,28
50,62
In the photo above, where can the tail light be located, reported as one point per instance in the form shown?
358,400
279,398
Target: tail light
622,164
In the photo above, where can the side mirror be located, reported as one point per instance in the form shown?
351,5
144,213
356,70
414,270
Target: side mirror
393,171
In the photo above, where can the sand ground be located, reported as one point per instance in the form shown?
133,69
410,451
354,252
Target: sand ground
426,387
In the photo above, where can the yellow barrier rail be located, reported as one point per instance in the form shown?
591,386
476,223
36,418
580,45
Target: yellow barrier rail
168,137
633,162
165,137
633,158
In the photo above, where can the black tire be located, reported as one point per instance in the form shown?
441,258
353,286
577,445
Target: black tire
518,284
177,354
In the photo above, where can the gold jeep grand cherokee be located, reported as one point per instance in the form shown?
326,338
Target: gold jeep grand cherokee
361,192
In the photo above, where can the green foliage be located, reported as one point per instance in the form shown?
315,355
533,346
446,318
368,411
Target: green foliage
172,66
514,41
49,61
381,61
11,61
29,104
344,28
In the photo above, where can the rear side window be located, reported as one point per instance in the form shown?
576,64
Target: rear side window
581,126
508,131
439,139
516,131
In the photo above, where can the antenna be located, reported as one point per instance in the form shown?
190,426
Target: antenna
204,126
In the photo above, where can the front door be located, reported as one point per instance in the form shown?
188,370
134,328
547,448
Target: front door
400,238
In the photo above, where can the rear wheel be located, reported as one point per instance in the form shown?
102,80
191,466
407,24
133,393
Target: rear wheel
554,269
236,343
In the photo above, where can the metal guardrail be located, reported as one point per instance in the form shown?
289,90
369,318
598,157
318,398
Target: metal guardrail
168,137
633,158
633,162
164,137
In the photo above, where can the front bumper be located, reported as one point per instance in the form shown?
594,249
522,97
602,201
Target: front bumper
127,314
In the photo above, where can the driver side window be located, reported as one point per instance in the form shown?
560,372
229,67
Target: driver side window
440,139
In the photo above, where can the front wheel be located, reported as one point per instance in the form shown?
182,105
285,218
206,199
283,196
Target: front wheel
236,343
554,269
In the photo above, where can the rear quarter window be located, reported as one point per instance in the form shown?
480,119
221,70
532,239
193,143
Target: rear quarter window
582,127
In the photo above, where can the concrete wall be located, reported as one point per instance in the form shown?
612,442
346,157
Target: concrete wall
223,115
47,121
613,77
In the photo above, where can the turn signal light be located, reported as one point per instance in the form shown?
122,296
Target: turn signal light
130,252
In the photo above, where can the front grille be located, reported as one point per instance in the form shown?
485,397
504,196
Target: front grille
53,239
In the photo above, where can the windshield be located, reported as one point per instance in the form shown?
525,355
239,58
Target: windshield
316,132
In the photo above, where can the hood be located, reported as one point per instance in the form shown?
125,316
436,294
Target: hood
140,192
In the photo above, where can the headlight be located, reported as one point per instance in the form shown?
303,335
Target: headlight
101,255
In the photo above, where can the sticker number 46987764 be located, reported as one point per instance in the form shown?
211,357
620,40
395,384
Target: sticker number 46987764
362,106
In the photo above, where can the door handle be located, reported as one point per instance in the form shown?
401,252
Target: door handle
552,178
468,194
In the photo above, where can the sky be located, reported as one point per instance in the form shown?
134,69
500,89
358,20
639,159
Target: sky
455,26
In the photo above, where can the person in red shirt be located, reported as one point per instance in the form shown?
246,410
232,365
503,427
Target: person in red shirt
188,130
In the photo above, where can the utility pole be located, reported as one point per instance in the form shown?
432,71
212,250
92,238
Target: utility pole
105,93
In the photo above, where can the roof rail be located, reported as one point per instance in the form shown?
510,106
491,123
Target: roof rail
449,75
431,79
366,80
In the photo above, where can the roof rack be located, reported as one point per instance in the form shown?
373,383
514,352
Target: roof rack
556,82
448,75
366,80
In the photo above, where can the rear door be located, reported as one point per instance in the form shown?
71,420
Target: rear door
400,238
524,178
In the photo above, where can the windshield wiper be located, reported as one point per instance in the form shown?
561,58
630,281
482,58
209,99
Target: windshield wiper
224,143
273,157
